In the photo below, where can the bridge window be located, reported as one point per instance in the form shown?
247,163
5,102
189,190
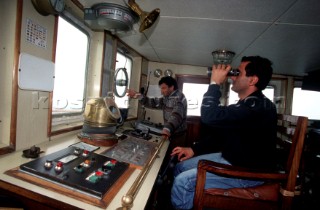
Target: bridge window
193,87
194,95
70,75
268,92
306,103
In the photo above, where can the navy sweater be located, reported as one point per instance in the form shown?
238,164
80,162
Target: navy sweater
246,130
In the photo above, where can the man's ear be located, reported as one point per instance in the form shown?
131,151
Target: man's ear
253,80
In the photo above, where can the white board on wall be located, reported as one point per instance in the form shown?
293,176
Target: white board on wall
35,73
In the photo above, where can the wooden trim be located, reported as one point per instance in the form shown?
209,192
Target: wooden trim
49,126
54,133
6,150
54,47
103,202
14,104
143,80
189,78
78,4
115,45
32,199
102,62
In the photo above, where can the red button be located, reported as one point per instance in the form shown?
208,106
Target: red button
99,173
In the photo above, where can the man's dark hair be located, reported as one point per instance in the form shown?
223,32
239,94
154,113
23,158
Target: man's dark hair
169,81
260,67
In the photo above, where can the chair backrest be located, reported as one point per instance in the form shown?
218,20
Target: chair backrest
291,132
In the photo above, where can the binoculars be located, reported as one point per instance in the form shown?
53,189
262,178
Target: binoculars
232,72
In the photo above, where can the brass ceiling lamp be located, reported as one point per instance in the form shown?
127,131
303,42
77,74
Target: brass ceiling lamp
225,57
146,19
222,56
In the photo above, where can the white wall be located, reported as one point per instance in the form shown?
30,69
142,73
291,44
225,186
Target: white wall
32,121
32,117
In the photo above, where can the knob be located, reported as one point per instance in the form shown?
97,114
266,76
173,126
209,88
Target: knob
48,164
59,167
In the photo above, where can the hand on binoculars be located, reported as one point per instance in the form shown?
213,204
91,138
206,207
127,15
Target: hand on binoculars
219,73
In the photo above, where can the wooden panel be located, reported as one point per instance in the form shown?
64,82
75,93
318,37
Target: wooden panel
104,202
17,197
193,132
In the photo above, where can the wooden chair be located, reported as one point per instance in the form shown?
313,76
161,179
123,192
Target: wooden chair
279,188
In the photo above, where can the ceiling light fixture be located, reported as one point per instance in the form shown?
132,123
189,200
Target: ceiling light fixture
222,56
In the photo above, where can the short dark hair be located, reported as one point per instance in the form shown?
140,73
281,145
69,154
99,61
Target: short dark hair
170,81
260,67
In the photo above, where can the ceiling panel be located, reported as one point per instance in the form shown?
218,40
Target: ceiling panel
290,47
287,31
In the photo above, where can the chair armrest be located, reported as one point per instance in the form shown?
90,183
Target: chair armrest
238,172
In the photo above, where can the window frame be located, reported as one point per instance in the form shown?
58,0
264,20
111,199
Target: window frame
75,119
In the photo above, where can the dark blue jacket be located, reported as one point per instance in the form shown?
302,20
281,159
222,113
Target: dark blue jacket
246,130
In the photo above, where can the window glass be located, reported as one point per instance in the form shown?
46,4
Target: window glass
233,96
194,94
70,72
306,103
123,61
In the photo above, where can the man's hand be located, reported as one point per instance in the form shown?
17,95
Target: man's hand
219,73
166,132
132,94
183,153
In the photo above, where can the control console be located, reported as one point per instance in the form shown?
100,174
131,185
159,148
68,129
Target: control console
152,127
79,169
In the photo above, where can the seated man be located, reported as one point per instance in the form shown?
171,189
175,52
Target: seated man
247,131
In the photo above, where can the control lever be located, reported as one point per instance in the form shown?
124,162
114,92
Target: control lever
146,135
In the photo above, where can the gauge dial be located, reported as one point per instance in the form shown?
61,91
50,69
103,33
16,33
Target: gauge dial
157,72
168,72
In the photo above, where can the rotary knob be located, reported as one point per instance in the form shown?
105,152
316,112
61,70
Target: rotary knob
85,153
48,164
76,151
59,167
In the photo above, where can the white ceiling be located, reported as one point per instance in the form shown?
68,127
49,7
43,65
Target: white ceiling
285,31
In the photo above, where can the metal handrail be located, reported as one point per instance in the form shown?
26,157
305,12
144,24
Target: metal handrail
127,200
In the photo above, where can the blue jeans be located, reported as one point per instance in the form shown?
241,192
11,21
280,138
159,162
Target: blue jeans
185,174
